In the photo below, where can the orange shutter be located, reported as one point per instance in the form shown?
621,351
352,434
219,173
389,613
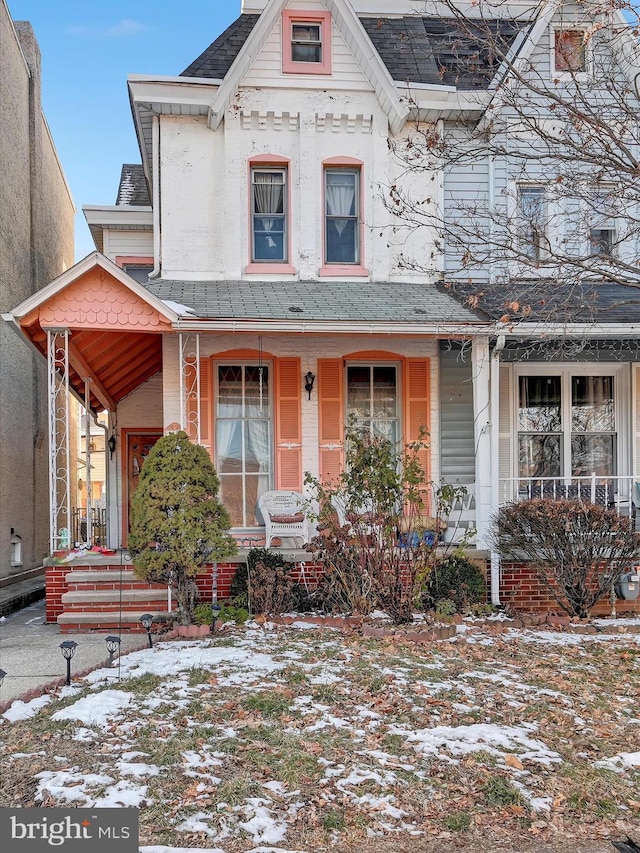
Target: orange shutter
418,406
288,425
331,419
206,406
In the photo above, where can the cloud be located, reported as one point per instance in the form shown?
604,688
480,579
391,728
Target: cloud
123,29
126,27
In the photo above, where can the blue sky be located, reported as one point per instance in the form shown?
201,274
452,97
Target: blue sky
88,49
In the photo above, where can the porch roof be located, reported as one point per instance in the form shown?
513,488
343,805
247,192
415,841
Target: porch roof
115,328
313,301
592,304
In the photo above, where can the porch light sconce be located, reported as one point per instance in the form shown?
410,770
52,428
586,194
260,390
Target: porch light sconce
68,649
309,379
147,621
113,644
112,445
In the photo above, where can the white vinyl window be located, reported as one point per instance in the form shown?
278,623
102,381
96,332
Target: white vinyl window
567,425
602,232
243,438
269,215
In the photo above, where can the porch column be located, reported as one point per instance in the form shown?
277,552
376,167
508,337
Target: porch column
189,351
58,398
480,370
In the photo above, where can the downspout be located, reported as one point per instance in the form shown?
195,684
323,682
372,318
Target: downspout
157,237
495,458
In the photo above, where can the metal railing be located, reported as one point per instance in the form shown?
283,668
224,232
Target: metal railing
619,491
96,533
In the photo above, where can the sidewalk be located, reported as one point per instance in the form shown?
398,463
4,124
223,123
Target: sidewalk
30,652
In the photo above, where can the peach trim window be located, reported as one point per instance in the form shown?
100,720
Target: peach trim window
269,203
343,232
306,42
137,266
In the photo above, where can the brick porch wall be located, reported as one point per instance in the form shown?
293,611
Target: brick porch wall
521,590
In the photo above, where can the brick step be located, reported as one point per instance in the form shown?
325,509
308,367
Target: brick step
102,575
113,596
83,622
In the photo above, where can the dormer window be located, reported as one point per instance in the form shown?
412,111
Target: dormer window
570,53
306,42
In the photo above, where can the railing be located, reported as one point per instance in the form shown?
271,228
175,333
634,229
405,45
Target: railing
97,533
618,492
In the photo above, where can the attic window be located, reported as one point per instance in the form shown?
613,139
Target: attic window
306,42
570,55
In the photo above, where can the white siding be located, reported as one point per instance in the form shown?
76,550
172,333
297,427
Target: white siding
131,244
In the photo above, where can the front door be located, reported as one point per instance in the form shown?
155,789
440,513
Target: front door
138,447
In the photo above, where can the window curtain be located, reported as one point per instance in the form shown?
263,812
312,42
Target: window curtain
341,196
268,193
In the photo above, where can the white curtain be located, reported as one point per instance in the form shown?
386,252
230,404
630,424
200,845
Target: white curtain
341,193
268,198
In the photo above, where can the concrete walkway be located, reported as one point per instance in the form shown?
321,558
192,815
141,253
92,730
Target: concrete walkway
30,652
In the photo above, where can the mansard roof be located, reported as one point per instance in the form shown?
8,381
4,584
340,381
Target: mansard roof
319,301
414,49
133,189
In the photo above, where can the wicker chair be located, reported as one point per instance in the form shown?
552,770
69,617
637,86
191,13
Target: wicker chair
284,516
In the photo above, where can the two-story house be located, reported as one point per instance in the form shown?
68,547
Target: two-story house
252,286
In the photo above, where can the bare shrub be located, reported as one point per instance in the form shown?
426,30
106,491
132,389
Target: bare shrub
578,550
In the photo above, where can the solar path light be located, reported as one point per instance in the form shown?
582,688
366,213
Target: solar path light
68,650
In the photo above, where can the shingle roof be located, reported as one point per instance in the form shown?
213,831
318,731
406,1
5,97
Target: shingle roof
415,49
133,188
218,58
317,301
535,301
437,50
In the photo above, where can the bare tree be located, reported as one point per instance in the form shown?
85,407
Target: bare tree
538,213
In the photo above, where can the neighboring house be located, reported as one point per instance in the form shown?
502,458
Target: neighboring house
36,245
262,298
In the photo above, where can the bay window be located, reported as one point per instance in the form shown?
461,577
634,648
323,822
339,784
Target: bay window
243,438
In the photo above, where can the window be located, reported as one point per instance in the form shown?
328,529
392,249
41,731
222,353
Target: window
243,438
342,215
602,234
532,222
570,51
566,426
269,215
139,271
372,399
306,42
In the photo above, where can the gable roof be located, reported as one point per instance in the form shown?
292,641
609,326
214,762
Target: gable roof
133,189
413,48
217,59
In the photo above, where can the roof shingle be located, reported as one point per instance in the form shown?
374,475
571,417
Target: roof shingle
133,189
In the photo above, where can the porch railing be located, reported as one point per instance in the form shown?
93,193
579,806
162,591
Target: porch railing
618,491
96,533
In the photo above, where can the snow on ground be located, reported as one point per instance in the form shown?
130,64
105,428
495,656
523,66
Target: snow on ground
264,728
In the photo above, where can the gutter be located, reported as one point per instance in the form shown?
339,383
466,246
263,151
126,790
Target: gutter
328,326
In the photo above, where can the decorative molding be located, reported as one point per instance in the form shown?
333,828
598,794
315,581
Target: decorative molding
269,120
344,122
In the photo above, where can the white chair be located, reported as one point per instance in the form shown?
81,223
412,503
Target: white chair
284,516
462,518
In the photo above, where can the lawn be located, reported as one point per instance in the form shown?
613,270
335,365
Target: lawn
302,739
